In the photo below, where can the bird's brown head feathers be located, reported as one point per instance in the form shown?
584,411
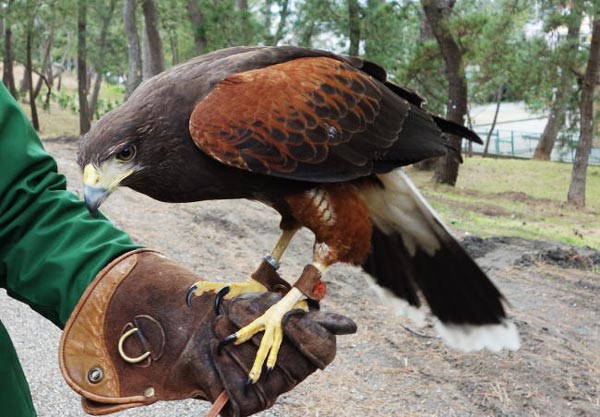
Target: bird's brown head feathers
132,145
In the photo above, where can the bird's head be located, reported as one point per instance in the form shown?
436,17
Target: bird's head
111,154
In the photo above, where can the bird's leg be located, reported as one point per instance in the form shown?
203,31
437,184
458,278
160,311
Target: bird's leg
270,322
266,272
264,279
282,243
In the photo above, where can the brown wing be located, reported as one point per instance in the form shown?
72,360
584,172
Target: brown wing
313,119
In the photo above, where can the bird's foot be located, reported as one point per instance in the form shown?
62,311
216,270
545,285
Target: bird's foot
223,290
271,323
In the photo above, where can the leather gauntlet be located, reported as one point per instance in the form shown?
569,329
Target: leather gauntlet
132,341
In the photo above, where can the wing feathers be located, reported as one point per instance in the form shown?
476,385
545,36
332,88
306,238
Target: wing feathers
317,119
302,120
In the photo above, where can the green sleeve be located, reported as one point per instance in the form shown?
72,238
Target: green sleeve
50,246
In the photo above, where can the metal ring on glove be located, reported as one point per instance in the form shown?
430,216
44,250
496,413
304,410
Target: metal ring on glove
125,357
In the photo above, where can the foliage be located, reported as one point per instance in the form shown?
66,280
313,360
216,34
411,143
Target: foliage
492,34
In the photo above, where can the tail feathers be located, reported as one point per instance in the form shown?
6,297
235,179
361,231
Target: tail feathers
453,128
413,256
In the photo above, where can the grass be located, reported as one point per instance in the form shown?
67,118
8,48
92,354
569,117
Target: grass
522,198
56,121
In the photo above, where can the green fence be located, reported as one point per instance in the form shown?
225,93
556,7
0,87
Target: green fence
516,144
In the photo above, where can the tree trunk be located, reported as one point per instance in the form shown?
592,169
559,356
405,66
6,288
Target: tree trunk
246,32
8,76
45,62
146,58
84,120
426,34
99,65
62,65
354,27
93,102
438,13
24,84
197,20
50,74
156,57
556,118
134,74
172,33
499,95
28,75
576,194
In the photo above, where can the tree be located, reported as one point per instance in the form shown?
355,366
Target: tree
576,194
488,138
313,17
246,29
283,15
7,73
105,19
153,58
438,14
30,11
354,27
566,53
29,77
82,81
197,20
134,75
493,45
46,47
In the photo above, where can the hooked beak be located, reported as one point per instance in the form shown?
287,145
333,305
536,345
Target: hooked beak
94,194
97,186
94,197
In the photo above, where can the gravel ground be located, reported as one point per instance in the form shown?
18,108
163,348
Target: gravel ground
382,370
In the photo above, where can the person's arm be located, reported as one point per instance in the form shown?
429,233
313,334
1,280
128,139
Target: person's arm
50,246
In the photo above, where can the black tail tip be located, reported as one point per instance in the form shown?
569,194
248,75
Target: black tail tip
454,128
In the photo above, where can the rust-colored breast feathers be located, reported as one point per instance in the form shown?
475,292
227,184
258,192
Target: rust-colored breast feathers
302,119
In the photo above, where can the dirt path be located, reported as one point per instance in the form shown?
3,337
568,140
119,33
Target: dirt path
384,370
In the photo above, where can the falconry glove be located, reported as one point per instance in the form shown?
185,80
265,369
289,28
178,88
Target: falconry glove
132,341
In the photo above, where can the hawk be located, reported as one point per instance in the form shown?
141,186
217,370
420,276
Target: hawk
320,138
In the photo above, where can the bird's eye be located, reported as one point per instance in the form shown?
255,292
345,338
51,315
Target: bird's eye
127,153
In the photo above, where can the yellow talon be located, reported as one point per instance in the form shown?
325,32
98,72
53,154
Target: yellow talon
270,323
235,288
223,290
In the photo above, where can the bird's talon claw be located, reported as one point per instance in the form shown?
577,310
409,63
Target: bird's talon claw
268,373
247,385
189,294
229,339
219,297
